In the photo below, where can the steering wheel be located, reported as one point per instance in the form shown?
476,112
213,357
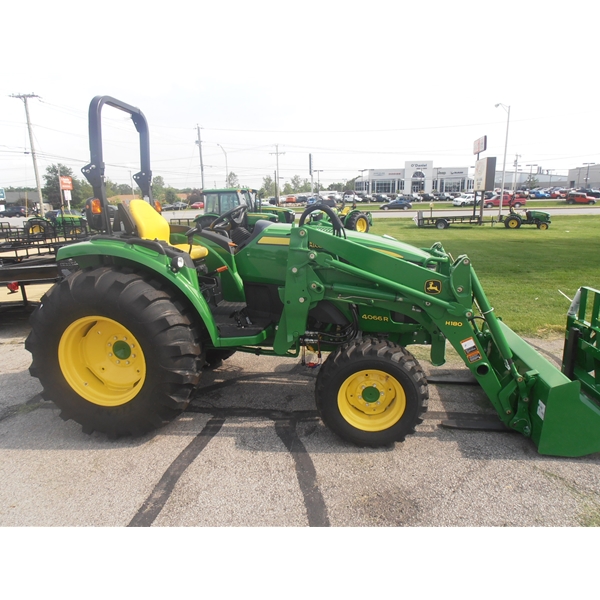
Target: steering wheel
229,220
338,227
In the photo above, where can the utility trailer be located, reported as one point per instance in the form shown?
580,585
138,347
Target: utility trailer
444,221
119,344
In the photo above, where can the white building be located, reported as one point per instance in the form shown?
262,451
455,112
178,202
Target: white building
416,176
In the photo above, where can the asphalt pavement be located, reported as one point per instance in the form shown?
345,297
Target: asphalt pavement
251,451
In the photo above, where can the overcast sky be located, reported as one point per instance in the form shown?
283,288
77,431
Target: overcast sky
358,84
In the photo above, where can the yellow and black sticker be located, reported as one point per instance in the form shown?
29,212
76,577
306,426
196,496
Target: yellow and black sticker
433,286
471,350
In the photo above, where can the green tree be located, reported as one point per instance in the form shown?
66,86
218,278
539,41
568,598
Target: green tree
232,180
268,187
51,190
158,188
171,196
194,195
124,190
287,189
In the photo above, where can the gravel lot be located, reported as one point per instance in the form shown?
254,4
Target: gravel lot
251,452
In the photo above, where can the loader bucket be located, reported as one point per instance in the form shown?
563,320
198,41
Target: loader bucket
564,420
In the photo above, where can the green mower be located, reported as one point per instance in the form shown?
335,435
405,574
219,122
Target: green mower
119,344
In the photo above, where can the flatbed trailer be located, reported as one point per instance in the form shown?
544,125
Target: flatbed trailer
444,221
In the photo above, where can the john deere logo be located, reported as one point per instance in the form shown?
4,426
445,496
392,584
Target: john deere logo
433,286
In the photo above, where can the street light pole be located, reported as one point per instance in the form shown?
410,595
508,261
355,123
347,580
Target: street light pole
317,171
587,177
517,156
226,168
507,109
530,173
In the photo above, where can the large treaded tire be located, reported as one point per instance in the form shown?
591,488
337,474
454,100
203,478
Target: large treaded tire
167,348
358,221
379,362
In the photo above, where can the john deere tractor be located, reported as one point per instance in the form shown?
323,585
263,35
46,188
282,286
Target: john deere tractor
119,344
220,201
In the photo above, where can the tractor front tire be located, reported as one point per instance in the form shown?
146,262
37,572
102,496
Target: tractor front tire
371,392
543,226
115,351
358,222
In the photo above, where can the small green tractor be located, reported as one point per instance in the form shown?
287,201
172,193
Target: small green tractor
514,220
220,201
119,344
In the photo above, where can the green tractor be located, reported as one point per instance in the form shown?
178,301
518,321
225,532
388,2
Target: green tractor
514,220
220,201
119,344
350,216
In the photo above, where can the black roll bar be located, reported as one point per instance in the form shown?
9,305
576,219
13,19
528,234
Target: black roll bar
94,172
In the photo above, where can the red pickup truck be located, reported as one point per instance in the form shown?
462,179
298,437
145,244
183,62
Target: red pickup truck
507,201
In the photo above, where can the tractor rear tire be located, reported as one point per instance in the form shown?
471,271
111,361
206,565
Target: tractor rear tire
512,223
371,392
358,222
115,351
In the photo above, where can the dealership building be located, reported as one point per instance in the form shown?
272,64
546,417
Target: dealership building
422,176
416,176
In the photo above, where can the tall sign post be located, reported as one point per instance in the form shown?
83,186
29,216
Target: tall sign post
66,186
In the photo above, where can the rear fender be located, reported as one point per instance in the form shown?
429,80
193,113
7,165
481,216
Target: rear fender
148,259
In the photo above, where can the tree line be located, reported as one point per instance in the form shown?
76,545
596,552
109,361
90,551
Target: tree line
162,192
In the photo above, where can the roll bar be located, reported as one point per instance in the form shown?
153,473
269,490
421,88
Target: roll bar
94,172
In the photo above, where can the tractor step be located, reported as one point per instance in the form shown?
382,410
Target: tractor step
234,320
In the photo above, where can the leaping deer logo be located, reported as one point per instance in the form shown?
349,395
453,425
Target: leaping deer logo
433,286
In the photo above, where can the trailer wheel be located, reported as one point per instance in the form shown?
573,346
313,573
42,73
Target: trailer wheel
358,222
512,223
442,224
115,351
543,226
371,392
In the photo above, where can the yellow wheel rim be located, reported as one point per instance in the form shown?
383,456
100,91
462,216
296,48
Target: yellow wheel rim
35,229
371,400
543,225
362,225
102,361
513,224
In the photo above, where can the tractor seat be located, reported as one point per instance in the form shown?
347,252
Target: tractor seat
152,226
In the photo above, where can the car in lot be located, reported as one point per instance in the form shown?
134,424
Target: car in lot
538,194
464,200
508,200
558,194
580,198
381,198
176,206
398,204
14,211
589,192
197,205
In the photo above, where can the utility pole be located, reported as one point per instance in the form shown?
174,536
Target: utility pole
199,142
25,97
277,153
517,156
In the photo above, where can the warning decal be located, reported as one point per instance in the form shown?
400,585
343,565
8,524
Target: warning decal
470,348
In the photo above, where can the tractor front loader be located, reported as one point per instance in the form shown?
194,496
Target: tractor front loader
120,342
